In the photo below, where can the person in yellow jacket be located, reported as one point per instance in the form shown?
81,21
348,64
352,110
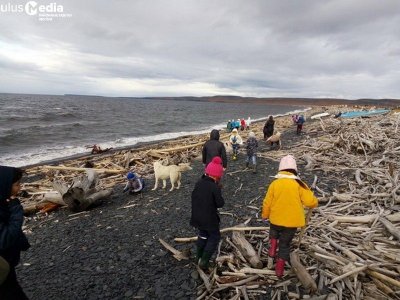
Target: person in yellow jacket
283,206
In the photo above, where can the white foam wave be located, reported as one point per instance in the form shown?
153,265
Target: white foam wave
40,155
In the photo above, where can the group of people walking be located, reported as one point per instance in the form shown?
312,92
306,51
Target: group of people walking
282,205
239,124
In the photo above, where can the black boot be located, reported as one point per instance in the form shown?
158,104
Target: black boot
199,253
247,164
205,261
254,168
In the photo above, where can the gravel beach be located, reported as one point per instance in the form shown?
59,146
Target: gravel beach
112,251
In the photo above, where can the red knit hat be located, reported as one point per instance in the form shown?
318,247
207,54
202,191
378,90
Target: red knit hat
214,168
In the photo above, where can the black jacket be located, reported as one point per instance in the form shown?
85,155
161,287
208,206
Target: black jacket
213,148
269,127
206,198
12,239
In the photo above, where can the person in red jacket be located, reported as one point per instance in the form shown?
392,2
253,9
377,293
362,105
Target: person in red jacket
283,206
12,239
206,199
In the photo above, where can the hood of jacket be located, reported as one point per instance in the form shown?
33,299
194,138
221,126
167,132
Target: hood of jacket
6,178
214,135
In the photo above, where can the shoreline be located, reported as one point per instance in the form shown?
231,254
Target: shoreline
138,145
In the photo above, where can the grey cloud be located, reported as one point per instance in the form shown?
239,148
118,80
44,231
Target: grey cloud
264,48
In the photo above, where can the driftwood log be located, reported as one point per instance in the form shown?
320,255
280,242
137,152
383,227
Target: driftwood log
83,192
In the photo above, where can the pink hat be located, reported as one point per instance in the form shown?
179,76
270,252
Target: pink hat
288,162
214,168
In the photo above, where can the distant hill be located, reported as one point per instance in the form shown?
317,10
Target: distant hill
287,101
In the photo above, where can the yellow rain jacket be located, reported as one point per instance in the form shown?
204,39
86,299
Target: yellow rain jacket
283,204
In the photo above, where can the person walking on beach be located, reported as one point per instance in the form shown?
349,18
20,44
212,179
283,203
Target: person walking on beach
242,124
235,140
12,239
268,129
206,199
300,122
283,206
248,123
213,147
251,148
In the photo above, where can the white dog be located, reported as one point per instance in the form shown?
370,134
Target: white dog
172,171
276,138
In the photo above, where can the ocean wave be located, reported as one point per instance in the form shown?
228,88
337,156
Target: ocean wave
58,152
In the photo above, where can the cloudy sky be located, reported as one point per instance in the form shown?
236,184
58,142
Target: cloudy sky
329,48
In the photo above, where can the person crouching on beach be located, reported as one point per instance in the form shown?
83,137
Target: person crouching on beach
283,206
206,199
134,185
235,140
251,148
12,239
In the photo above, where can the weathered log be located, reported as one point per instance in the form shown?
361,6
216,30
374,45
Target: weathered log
108,171
385,278
246,249
53,197
176,253
351,272
237,228
356,219
257,271
204,277
394,217
83,192
390,227
301,272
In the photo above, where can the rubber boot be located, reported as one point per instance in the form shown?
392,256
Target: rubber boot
199,253
205,260
273,245
247,164
254,169
279,267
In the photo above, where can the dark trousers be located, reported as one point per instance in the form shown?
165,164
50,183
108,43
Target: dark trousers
235,148
208,240
299,128
10,289
285,236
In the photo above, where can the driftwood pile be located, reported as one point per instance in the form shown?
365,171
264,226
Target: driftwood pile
112,167
351,246
40,194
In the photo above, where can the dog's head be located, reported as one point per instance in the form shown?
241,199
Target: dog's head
184,167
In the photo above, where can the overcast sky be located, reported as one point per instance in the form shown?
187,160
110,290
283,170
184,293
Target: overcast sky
347,49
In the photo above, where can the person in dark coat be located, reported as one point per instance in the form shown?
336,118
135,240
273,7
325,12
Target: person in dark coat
206,199
268,129
214,147
12,239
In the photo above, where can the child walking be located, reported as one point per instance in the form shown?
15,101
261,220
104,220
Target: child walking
235,140
251,147
283,206
206,199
